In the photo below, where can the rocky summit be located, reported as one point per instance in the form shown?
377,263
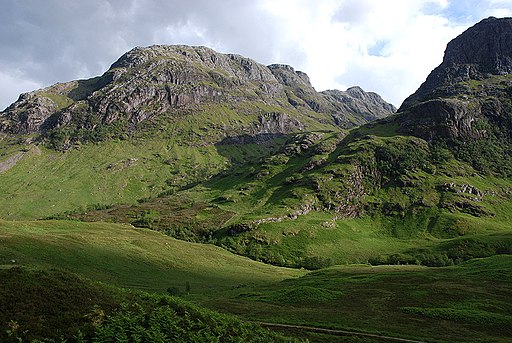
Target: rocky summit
148,82
478,53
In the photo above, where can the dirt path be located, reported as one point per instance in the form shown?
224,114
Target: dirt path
338,332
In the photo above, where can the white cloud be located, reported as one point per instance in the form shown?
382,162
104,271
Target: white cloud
500,12
384,46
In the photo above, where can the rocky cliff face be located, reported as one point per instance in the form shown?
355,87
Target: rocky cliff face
466,103
478,53
147,82
469,91
368,105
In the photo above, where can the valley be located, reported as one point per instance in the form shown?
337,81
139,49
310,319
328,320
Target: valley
382,300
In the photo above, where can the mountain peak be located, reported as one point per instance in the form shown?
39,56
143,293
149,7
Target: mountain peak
487,45
482,50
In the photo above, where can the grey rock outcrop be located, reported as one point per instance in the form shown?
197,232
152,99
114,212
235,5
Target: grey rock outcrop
368,105
466,98
28,114
298,88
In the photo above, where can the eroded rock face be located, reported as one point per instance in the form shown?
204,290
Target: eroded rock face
28,114
443,118
277,123
147,82
468,97
487,45
353,106
482,50
368,105
298,88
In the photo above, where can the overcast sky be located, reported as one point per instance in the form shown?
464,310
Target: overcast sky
385,46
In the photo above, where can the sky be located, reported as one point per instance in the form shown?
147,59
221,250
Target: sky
384,46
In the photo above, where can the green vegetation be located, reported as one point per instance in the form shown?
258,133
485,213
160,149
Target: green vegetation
129,257
404,301
465,303
486,144
61,101
46,182
56,306
410,205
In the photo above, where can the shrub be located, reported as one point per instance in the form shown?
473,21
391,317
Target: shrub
316,262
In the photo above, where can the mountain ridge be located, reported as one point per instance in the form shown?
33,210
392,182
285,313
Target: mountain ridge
432,173
147,82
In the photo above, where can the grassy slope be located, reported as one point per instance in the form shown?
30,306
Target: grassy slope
56,306
279,185
126,256
46,182
438,303
170,152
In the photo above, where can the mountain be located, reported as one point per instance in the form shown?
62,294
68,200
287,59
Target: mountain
260,165
146,83
427,185
465,103
161,118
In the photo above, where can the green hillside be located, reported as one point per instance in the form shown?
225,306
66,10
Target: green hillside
128,256
40,178
401,301
465,303
46,182
373,196
56,306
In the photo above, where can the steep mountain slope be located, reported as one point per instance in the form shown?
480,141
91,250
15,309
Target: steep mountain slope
160,118
465,104
481,51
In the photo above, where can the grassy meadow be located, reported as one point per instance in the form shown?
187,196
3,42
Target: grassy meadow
463,303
